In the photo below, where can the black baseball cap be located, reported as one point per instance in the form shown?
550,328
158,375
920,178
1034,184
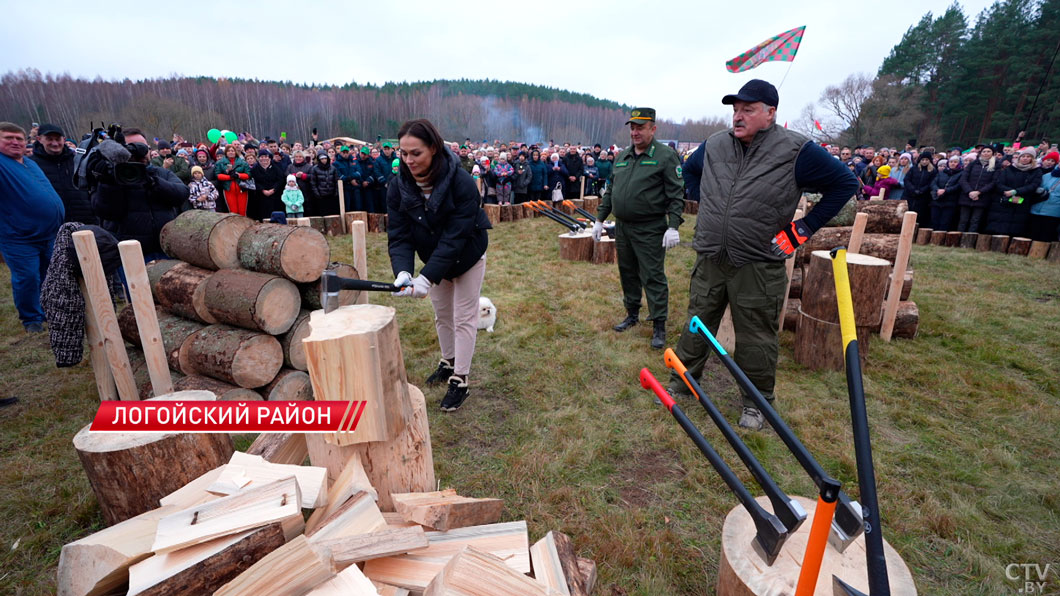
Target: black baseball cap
753,91
47,129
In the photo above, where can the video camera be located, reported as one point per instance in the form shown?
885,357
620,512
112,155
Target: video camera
105,157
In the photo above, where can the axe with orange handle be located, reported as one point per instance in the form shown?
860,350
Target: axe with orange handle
573,228
590,216
550,209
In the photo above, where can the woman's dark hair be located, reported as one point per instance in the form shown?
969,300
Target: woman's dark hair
535,153
423,130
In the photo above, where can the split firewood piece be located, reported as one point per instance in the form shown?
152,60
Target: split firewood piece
351,582
587,569
299,254
351,481
556,565
193,493
508,541
251,508
476,573
353,354
205,238
383,543
203,568
358,515
396,520
99,563
389,590
246,471
280,448
445,510
295,566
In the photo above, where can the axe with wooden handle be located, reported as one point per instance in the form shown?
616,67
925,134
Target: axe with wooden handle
770,531
331,284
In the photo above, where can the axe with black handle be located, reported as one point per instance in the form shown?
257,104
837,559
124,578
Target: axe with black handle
331,284
876,560
770,531
787,509
557,212
589,216
573,228
848,523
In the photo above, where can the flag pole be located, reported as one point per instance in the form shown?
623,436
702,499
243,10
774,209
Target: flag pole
790,64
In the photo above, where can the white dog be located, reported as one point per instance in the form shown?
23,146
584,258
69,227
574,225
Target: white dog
487,314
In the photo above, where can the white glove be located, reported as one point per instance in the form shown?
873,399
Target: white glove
598,230
671,238
404,281
421,286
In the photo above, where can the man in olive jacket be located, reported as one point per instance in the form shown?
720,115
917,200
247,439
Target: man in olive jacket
647,198
751,181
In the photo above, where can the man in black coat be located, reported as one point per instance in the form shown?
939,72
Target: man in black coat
138,211
575,167
56,160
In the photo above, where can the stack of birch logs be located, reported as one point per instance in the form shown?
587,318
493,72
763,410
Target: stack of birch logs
1013,245
233,305
878,252
378,526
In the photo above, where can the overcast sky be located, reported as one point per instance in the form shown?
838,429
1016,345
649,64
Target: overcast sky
666,55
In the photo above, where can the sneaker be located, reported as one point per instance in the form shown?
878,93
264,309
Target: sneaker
456,394
752,419
441,374
34,327
676,395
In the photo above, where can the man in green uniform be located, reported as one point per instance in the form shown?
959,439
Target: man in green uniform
646,195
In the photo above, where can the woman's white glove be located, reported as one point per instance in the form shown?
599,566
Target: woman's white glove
598,230
403,281
671,238
421,286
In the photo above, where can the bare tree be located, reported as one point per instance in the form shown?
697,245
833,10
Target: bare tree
846,101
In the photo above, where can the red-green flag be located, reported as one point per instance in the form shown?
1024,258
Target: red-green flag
780,48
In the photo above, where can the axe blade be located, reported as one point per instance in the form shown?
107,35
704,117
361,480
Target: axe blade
841,588
329,298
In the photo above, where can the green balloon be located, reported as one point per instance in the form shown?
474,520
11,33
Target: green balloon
213,135
230,136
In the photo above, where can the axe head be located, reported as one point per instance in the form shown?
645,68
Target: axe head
770,536
848,523
329,291
841,588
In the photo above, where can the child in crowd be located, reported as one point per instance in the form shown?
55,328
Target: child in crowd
292,198
883,182
503,173
592,175
201,192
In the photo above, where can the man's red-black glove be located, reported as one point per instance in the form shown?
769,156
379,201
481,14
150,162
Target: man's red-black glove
788,239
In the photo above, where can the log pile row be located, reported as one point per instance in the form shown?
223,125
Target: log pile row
234,524
1013,245
233,305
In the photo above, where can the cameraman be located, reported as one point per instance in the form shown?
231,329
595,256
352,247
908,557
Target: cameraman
137,209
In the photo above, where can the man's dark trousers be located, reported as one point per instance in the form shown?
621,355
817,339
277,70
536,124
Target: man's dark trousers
641,264
755,295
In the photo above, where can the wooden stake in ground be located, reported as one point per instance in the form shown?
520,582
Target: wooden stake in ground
358,237
205,238
160,463
354,354
857,233
132,260
342,206
445,510
97,355
298,254
98,304
901,263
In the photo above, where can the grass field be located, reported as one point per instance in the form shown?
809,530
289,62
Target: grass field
965,424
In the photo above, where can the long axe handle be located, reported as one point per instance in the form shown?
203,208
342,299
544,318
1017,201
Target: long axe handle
876,560
788,510
848,517
573,228
364,285
588,215
818,540
554,211
771,533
